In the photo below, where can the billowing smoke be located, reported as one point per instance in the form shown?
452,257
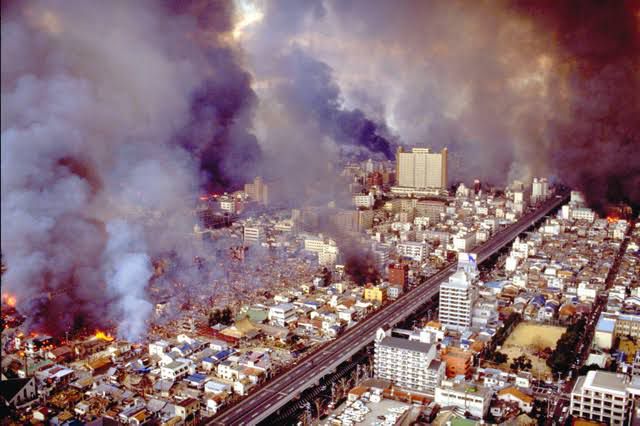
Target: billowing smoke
360,266
127,265
113,115
310,92
218,131
513,88
596,135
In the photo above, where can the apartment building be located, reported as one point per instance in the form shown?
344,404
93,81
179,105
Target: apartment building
457,297
407,363
253,234
412,250
604,397
376,293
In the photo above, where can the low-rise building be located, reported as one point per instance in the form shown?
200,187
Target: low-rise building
604,397
174,370
469,397
375,293
283,314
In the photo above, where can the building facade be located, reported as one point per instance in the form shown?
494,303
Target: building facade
604,397
407,363
457,297
421,168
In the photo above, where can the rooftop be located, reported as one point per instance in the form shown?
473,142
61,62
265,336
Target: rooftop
405,344
606,325
602,380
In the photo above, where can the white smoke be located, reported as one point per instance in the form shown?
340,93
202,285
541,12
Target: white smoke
93,94
127,271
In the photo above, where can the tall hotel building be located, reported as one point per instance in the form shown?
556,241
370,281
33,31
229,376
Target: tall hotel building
421,171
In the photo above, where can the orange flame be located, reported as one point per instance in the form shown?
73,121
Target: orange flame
103,336
612,219
9,299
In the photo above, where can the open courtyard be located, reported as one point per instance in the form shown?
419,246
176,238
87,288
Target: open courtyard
530,339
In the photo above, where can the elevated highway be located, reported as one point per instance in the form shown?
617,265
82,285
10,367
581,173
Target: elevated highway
283,388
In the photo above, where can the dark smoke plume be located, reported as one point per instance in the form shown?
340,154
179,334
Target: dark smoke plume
219,130
597,141
110,110
361,267
312,94
513,88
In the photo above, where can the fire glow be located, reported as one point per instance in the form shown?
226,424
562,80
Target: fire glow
103,336
10,300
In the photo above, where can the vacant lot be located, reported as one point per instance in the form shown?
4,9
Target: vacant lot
528,339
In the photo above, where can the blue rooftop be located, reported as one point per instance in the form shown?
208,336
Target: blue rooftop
606,324
223,354
196,377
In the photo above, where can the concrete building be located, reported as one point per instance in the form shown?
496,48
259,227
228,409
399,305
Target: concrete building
230,204
610,326
258,191
327,250
329,255
174,370
282,314
364,200
583,213
468,397
431,209
412,250
464,242
457,297
399,274
375,293
459,362
604,397
539,189
421,168
407,363
253,234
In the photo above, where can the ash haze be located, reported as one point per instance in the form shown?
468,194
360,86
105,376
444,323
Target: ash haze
112,110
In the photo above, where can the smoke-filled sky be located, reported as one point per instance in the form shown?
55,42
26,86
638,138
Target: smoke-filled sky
514,88
116,114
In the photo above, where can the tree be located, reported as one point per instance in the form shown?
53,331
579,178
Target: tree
218,316
214,317
227,316
564,355
499,357
521,363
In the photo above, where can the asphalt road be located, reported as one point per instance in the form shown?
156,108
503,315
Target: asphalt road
281,389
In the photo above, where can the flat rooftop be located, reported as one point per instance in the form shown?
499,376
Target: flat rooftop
406,344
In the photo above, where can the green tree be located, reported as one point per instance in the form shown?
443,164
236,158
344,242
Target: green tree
499,357
521,363
227,316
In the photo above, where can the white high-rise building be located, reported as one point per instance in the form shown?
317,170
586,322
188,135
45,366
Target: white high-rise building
408,363
604,397
253,234
422,169
457,297
539,189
